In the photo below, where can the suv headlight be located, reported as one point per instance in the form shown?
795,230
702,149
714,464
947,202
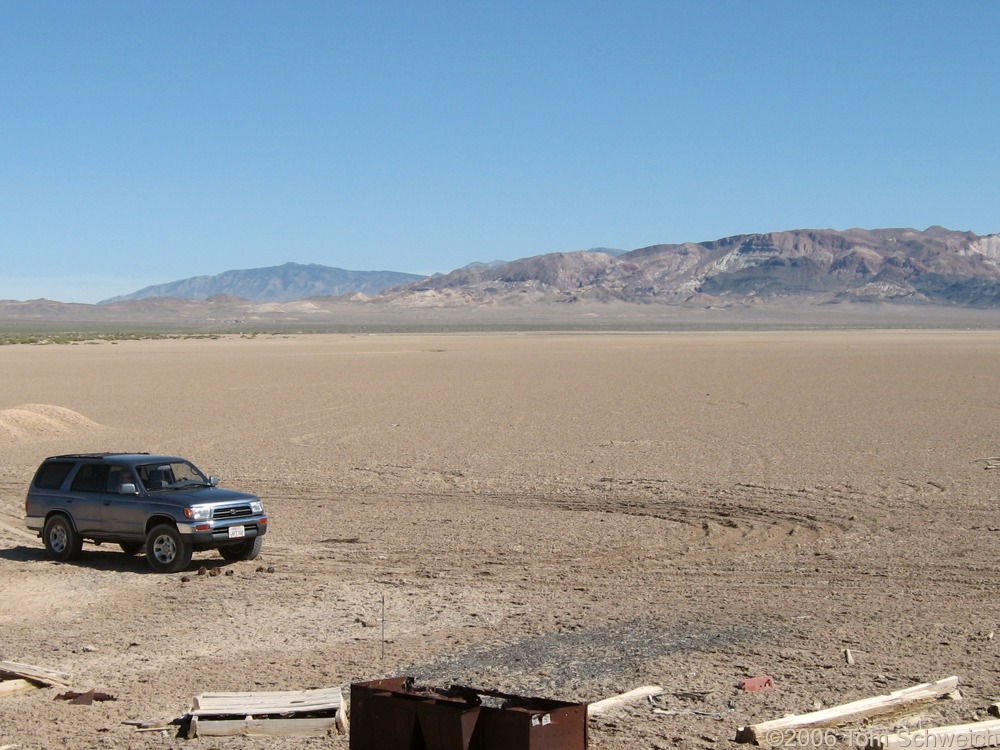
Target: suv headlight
257,507
199,512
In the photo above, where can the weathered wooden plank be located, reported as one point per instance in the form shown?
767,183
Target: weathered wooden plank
13,687
343,724
609,704
263,727
304,703
276,702
263,708
36,674
192,728
882,704
334,693
266,694
320,703
965,736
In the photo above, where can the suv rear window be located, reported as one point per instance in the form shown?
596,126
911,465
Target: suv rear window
91,478
51,475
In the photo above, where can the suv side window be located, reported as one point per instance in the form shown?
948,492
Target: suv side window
52,474
91,478
117,476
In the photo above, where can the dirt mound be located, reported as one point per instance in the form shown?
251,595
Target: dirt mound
41,420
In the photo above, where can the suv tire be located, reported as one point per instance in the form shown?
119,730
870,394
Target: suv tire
61,539
248,549
166,551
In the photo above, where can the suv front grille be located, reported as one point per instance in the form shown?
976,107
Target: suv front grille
238,511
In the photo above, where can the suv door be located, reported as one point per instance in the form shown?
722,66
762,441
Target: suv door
122,515
86,496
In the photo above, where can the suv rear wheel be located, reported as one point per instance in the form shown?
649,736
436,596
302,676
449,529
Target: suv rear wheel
166,551
61,540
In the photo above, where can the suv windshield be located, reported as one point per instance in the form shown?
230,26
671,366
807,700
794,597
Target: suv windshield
170,476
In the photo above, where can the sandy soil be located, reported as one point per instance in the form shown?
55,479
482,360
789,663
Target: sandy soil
568,516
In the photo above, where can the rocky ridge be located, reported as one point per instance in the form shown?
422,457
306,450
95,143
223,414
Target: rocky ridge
898,265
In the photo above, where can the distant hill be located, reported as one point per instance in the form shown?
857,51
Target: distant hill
937,266
290,281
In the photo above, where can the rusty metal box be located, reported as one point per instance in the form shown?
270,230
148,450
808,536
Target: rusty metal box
396,714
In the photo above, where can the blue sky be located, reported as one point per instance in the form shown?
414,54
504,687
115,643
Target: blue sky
144,142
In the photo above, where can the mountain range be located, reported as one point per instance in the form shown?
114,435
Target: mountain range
290,281
936,266
901,269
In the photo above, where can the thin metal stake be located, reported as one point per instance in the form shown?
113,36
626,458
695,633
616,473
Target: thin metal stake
383,627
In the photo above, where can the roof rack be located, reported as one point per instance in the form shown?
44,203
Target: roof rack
102,455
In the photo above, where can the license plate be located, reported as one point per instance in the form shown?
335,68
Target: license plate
237,532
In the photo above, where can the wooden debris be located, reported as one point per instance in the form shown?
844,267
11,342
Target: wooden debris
965,736
342,723
848,656
906,698
38,675
13,687
609,704
300,712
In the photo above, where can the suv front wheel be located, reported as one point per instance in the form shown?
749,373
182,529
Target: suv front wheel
248,549
61,539
166,550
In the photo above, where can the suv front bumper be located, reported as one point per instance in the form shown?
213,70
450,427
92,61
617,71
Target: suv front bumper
216,534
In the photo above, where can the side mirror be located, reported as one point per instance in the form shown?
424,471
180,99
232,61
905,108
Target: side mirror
127,489
213,480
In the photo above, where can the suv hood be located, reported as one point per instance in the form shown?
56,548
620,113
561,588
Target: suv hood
203,495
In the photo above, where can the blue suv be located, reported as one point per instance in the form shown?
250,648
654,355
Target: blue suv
163,504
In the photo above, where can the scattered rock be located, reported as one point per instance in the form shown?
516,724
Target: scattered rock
85,699
753,684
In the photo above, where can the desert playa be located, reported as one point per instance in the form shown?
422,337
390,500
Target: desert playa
562,515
